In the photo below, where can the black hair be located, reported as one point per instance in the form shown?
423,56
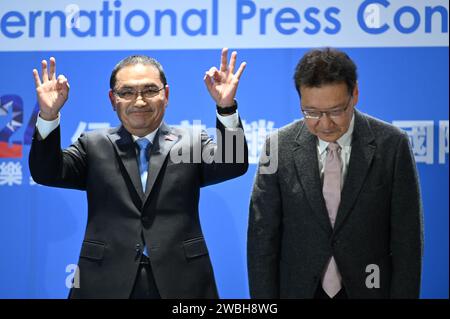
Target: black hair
133,60
325,66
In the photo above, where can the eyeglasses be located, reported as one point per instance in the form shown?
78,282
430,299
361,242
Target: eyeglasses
334,114
132,94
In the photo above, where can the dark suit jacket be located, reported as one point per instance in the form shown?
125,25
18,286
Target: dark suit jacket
120,215
379,221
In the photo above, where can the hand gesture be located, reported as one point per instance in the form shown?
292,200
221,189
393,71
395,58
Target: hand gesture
222,84
52,92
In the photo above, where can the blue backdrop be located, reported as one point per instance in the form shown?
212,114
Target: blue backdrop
41,228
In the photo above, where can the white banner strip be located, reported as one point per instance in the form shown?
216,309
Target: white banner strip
210,24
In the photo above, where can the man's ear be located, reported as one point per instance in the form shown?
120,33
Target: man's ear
355,94
166,93
112,98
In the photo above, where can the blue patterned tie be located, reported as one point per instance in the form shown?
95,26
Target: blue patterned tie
144,145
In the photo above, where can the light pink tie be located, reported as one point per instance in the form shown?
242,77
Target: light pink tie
331,281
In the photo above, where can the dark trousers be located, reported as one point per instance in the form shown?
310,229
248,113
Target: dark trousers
144,285
321,294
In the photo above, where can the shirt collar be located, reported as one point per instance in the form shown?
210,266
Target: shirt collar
344,141
150,136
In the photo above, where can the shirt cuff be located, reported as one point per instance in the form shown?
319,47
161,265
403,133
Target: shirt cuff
46,127
230,121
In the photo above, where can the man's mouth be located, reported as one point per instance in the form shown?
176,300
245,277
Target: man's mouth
141,111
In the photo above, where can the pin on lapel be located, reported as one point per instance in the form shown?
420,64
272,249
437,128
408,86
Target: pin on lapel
170,137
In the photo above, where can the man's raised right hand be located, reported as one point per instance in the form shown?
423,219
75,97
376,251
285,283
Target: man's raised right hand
52,92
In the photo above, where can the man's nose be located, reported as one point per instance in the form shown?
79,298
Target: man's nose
139,101
325,122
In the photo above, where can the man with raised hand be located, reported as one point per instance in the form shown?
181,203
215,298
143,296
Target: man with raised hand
143,237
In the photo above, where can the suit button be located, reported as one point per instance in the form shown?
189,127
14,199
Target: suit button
145,219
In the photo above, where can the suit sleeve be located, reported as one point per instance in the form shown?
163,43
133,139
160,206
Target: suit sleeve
225,160
406,225
51,166
263,238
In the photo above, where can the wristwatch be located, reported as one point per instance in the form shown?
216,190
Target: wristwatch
227,110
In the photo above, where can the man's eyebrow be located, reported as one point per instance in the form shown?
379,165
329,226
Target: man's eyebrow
147,85
126,87
306,107
151,85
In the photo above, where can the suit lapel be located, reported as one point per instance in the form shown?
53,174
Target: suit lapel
307,165
362,153
163,142
125,149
